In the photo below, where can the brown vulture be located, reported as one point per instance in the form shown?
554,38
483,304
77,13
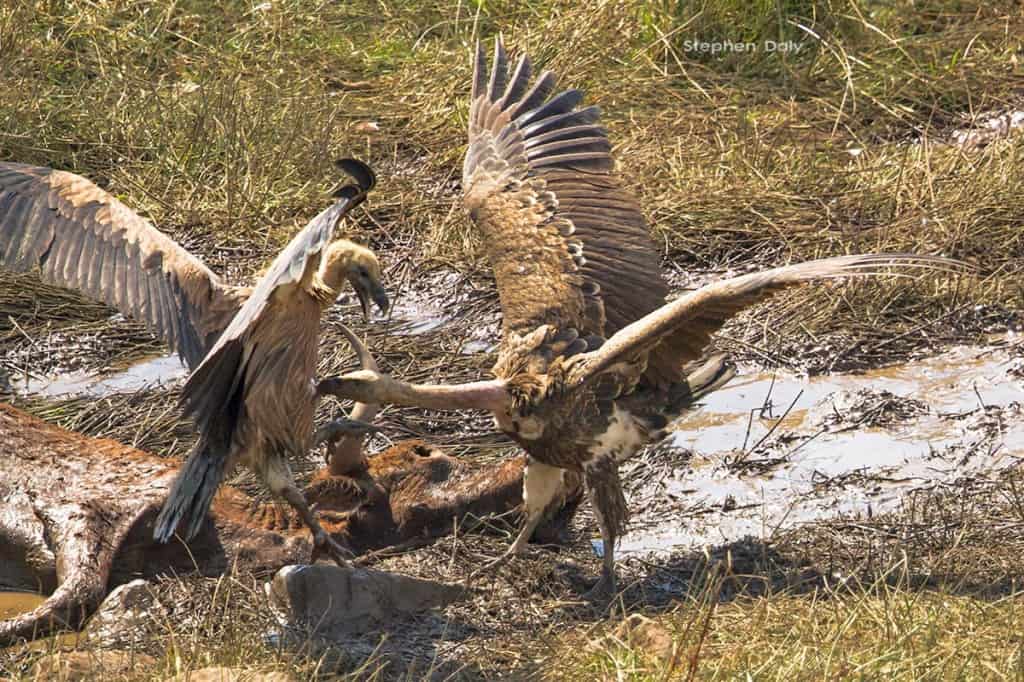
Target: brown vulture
594,362
253,351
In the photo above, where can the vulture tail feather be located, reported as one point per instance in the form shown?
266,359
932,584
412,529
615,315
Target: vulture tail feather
192,492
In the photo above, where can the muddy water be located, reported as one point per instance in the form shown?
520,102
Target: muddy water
147,373
774,450
16,603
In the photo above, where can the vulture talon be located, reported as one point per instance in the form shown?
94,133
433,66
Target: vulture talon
537,169
249,349
604,591
493,565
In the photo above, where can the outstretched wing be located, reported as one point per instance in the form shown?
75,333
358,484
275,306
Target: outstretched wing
208,391
82,237
689,322
568,245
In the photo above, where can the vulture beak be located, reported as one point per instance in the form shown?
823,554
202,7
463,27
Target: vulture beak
367,291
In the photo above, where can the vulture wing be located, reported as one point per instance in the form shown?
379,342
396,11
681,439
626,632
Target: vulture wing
82,237
568,245
208,393
689,322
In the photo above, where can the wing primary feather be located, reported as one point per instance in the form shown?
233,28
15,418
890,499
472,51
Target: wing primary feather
540,91
12,231
156,318
34,241
131,279
499,71
588,116
519,81
52,259
585,161
169,313
569,132
117,281
561,103
69,275
94,283
592,145
8,229
479,72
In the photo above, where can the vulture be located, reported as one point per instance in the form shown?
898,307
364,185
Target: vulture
594,360
253,351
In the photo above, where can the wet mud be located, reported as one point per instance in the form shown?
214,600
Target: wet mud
145,374
774,450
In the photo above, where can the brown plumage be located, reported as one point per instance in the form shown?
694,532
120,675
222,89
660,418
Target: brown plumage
253,350
253,395
574,266
82,237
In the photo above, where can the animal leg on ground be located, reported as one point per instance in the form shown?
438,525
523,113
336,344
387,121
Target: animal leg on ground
540,485
609,503
279,479
84,539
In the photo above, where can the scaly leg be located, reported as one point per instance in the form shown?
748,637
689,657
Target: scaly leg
605,492
278,476
540,485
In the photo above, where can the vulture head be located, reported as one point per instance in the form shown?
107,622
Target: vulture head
345,261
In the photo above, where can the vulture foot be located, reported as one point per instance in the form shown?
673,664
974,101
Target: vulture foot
516,549
490,566
342,427
604,591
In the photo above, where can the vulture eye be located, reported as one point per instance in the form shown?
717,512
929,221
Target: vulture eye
363,272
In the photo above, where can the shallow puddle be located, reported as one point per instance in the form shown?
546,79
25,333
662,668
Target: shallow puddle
16,603
146,373
774,450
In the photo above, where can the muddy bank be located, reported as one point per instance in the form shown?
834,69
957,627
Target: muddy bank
775,450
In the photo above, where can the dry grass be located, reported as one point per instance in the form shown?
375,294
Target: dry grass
931,592
220,123
844,632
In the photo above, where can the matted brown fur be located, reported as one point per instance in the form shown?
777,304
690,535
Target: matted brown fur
90,504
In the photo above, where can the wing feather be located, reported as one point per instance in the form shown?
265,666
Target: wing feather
82,237
568,245
689,322
209,387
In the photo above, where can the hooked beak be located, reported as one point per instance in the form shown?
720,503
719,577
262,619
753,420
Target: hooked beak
374,292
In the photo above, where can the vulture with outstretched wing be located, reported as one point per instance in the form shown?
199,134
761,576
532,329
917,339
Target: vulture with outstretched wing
81,237
253,351
593,363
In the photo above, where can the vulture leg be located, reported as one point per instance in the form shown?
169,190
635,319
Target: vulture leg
278,477
541,484
605,491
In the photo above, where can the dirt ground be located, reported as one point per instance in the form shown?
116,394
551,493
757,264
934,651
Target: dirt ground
872,438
